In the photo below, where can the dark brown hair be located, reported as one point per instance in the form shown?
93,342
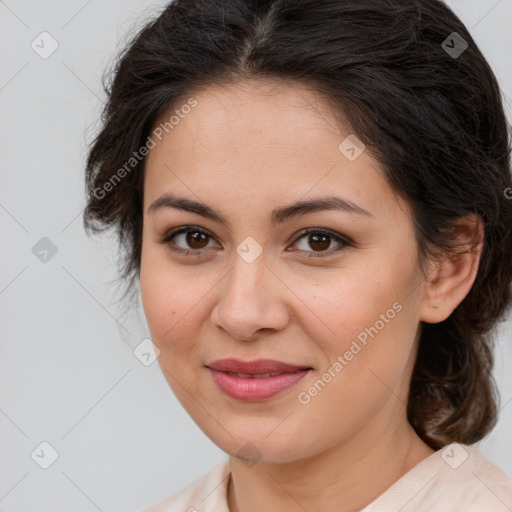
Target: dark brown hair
430,113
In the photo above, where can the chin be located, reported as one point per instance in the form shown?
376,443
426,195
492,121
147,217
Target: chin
256,446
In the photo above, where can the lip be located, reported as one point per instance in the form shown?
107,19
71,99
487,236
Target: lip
249,387
258,366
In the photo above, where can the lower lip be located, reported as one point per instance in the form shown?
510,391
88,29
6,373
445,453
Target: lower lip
252,390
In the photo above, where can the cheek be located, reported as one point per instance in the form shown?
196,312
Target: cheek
162,297
372,345
369,319
347,304
173,301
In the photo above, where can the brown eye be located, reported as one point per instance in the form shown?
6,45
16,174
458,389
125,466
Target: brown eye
320,241
187,240
196,239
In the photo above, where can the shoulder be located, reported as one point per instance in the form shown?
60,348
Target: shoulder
457,477
475,482
207,493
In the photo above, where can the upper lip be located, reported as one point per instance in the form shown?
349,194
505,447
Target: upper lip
259,366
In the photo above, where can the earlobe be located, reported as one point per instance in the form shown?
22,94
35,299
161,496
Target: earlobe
453,273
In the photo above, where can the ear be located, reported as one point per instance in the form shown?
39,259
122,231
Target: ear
452,274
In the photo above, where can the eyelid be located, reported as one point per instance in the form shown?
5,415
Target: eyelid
333,234
342,240
166,239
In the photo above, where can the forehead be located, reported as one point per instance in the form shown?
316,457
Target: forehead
247,113
259,138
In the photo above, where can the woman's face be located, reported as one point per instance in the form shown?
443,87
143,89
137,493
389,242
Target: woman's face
254,286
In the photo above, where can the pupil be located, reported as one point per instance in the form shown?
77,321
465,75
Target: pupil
323,245
194,237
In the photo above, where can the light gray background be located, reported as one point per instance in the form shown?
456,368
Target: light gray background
67,372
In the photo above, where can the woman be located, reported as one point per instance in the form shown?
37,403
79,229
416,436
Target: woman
314,197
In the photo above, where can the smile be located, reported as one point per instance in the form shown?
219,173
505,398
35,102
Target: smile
255,387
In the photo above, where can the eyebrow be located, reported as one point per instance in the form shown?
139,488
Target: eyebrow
277,216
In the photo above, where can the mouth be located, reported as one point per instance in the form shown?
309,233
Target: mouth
253,376
253,381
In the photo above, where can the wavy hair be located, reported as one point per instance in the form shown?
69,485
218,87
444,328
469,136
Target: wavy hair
429,110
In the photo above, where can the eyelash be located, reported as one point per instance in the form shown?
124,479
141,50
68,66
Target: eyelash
166,240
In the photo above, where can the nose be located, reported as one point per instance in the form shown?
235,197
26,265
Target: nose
251,301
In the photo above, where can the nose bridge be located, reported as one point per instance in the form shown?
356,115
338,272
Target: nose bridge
244,281
249,300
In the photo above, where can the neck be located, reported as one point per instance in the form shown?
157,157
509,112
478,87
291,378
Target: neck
344,478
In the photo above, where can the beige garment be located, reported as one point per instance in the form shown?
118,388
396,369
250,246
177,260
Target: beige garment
457,478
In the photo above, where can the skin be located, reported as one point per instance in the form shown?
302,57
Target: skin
246,149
